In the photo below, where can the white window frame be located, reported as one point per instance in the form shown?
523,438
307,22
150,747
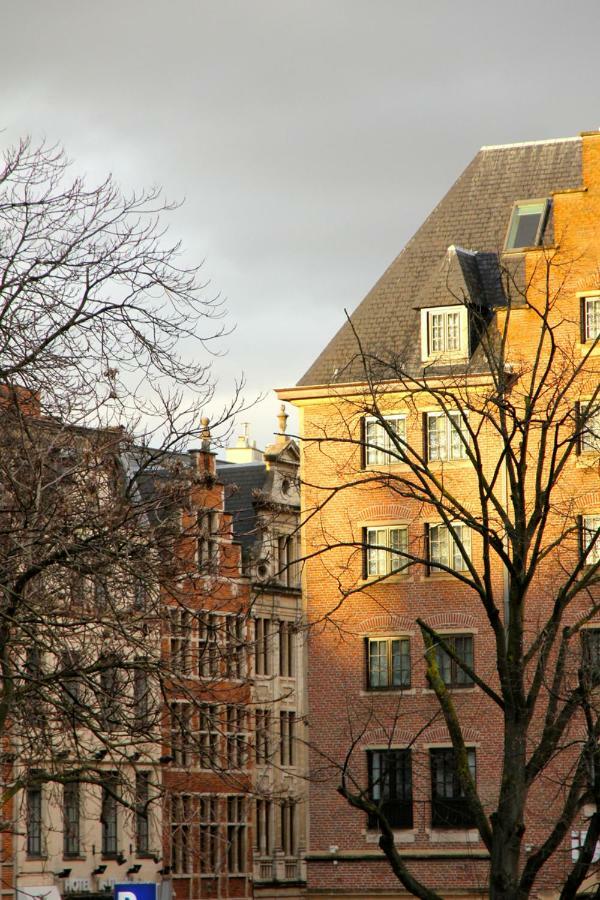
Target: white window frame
590,432
381,544
592,317
449,445
449,554
591,527
379,446
450,338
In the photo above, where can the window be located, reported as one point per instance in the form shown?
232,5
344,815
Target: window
262,646
262,735
443,549
288,827
452,674
286,649
208,736
208,646
590,539
384,549
590,313
388,663
180,621
181,734
236,835
111,712
264,827
590,644
142,799
287,730
34,820
71,807
72,684
209,835
447,436
234,646
449,807
208,540
380,448
390,786
181,818
109,816
235,737
527,224
444,331
141,706
589,428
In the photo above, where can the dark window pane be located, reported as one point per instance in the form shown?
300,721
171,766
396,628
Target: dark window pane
449,808
390,786
525,225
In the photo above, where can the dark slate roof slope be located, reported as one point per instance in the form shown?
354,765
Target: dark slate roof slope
473,216
244,479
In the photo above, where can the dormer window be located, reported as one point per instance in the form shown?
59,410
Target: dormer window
444,332
527,224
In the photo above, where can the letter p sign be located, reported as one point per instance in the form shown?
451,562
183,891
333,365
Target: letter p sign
126,895
135,891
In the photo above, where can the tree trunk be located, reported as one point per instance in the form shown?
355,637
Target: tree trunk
507,821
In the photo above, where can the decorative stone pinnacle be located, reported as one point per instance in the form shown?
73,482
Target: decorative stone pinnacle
282,419
205,433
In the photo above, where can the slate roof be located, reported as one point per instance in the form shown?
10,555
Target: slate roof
473,216
247,478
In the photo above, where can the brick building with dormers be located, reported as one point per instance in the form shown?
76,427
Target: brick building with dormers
519,229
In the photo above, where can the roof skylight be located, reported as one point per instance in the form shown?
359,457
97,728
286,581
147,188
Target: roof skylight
527,224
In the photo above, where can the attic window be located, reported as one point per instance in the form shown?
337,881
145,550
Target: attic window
444,333
527,224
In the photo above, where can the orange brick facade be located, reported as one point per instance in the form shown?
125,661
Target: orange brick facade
343,856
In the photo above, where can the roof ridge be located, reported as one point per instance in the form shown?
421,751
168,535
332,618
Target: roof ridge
530,143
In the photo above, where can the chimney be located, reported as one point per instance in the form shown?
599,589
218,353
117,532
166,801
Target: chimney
205,458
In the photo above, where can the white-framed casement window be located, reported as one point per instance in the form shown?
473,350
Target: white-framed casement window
590,318
384,550
443,548
444,332
589,427
590,538
380,448
447,436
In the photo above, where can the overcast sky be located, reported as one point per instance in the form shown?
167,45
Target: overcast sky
309,139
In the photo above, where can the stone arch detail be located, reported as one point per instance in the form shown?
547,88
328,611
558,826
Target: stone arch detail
398,737
386,623
589,500
385,511
452,619
439,735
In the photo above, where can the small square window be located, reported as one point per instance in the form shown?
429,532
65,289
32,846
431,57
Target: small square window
388,663
385,550
527,224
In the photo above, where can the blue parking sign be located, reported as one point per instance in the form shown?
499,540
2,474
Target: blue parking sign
135,891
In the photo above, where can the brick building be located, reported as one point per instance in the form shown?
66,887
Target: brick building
512,249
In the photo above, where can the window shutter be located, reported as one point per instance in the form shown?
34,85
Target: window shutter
578,424
365,573
425,439
367,668
583,334
363,438
580,535
427,555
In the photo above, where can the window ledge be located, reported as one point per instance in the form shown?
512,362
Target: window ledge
386,579
587,458
449,463
461,690
385,692
586,349
454,835
445,576
401,836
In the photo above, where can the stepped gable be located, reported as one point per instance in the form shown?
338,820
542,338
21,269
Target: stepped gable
473,216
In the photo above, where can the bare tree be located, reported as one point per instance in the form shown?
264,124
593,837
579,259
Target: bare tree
511,530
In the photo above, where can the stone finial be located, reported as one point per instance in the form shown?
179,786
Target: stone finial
205,433
282,419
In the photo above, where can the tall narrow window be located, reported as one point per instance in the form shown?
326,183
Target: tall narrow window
447,436
451,672
142,822
386,550
390,786
264,827
262,646
234,646
236,835
287,731
141,706
34,820
208,736
286,649
208,646
590,427
207,540
262,736
181,819
443,548
109,816
182,741
449,807
235,737
388,663
209,835
527,224
591,313
111,685
71,813
288,827
180,639
591,539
